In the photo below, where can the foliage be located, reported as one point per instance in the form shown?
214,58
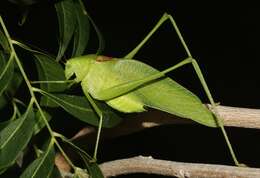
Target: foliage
30,116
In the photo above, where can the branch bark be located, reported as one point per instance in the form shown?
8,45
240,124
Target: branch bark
232,117
149,165
239,117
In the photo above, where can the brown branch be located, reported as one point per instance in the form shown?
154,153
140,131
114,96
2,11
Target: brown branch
149,165
239,117
232,116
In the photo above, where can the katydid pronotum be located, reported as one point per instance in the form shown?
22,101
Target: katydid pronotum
128,85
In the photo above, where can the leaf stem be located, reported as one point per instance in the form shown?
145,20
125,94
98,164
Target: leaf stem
33,98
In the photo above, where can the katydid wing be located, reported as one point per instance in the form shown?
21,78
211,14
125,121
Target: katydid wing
163,93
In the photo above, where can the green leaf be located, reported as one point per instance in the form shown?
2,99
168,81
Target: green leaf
42,166
49,70
4,124
15,83
80,151
4,42
6,71
40,124
15,137
81,35
79,107
67,20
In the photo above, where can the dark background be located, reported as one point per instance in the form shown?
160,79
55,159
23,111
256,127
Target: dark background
223,37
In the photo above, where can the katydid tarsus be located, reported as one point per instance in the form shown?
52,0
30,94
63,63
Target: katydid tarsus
128,85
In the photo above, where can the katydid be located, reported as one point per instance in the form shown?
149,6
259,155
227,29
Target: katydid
128,85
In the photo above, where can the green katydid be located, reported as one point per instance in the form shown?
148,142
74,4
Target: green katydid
128,85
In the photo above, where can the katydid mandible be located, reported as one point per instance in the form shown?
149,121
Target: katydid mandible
128,85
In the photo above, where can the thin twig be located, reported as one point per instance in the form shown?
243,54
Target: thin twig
149,165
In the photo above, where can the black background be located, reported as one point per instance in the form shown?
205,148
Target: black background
224,38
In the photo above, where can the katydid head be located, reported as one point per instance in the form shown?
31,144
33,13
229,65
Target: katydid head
79,66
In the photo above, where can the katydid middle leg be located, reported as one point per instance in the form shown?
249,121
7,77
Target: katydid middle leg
100,115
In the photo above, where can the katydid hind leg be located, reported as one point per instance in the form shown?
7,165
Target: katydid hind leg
163,19
206,89
213,104
196,68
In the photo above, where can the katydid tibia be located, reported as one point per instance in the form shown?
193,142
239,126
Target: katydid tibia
128,85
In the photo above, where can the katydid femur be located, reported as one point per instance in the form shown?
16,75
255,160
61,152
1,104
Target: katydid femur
128,85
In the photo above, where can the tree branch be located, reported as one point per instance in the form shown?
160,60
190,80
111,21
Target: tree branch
232,116
149,165
239,117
